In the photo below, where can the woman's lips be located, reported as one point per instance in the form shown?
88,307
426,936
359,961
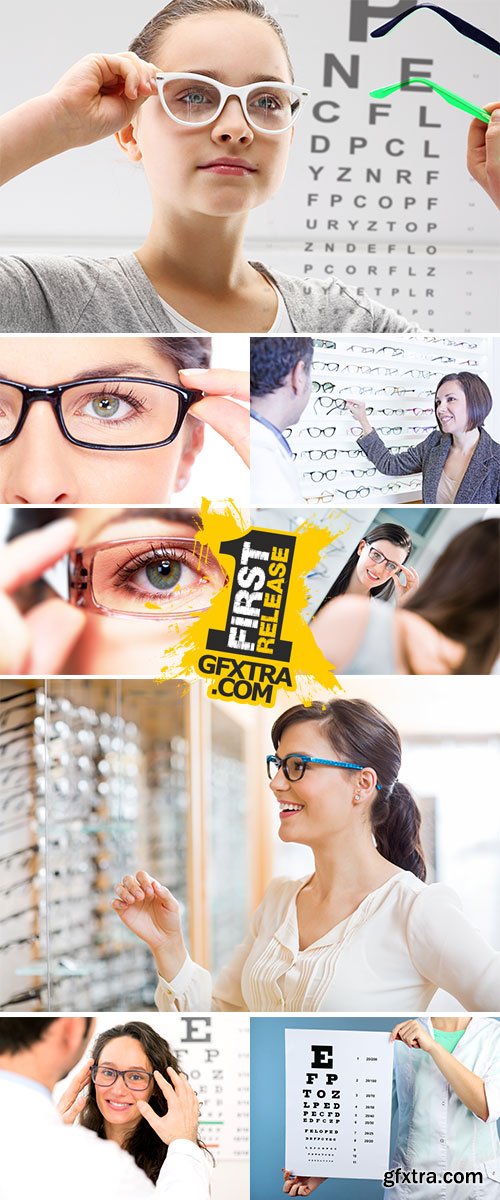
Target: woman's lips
291,811
375,578
228,166
118,1105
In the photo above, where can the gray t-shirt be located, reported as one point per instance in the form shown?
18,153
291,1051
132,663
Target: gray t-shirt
114,295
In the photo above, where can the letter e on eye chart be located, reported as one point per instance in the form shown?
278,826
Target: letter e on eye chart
338,1103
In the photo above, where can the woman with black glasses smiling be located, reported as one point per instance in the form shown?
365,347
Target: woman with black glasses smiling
459,462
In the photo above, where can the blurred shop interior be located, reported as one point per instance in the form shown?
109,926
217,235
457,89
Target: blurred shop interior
102,777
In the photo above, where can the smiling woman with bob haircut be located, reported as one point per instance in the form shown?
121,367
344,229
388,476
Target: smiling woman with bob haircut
363,932
206,100
459,462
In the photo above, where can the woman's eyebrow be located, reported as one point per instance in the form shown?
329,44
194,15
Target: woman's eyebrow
108,1063
252,79
184,516
117,368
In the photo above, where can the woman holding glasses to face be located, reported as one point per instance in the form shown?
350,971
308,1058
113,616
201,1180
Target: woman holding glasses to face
205,100
120,420
377,568
363,931
449,625
100,591
459,461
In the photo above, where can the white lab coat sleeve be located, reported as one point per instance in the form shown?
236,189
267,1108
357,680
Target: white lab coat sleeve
191,990
447,950
491,1080
185,1174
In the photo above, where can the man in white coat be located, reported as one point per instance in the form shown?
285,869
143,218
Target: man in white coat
280,389
45,1157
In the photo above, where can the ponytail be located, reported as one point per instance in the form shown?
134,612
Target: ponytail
359,733
396,822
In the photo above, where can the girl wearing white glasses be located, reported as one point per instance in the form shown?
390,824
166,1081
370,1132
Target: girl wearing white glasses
213,132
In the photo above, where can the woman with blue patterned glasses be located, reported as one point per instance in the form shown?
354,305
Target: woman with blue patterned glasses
363,931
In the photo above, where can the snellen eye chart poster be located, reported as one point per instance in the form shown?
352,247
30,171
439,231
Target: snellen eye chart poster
338,1103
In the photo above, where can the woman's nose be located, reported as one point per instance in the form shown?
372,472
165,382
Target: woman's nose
35,468
279,783
232,125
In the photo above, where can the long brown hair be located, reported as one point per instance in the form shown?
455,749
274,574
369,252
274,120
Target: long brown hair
461,595
359,733
143,1143
146,42
397,535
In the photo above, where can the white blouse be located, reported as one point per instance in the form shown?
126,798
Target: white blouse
405,940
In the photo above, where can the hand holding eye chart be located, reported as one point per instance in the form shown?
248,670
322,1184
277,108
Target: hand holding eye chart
338,1103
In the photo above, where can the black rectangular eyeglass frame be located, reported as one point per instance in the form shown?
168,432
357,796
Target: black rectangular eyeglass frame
53,395
116,1073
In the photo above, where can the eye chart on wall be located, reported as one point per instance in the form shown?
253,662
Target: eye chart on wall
396,379
377,191
338,1103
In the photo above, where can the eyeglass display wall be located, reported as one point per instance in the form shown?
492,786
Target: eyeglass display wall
97,779
396,379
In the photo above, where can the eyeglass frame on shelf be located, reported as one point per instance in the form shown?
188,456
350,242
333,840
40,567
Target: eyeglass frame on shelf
53,395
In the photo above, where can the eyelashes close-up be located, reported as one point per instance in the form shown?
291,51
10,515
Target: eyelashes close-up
162,569
112,399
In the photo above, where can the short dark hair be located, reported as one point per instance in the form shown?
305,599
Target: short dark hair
20,1033
272,359
477,396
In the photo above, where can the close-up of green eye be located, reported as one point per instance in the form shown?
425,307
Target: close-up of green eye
105,406
164,574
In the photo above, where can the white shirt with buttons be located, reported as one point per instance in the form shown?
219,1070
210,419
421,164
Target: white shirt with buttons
404,941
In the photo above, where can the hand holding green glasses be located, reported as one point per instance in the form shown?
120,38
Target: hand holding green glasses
483,149
481,114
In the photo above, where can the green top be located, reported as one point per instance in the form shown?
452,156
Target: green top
448,1040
